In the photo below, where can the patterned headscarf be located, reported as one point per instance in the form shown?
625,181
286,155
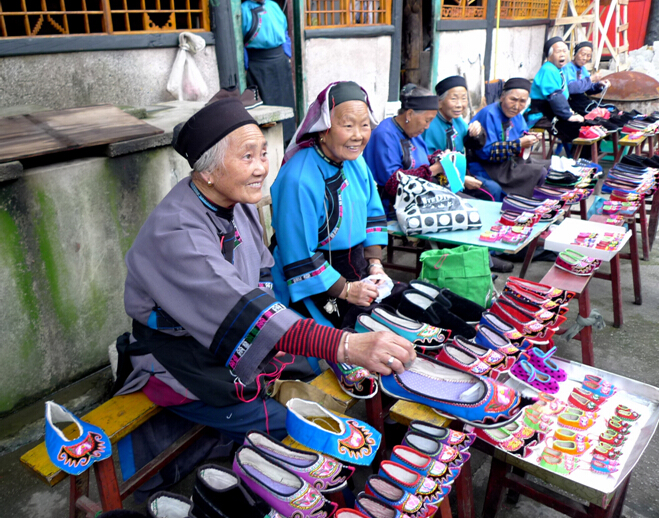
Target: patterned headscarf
318,118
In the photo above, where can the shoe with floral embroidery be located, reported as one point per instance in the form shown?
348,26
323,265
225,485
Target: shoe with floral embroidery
575,422
497,324
372,507
446,436
570,447
425,337
494,358
558,462
618,425
478,401
502,438
613,438
535,420
598,385
423,487
463,359
443,453
627,413
355,381
283,490
563,434
600,467
590,396
323,473
398,498
581,403
424,465
344,438
550,405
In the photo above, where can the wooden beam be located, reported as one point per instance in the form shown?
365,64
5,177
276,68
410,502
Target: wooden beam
623,2
572,20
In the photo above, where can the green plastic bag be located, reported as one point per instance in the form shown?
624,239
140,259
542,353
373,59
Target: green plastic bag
465,270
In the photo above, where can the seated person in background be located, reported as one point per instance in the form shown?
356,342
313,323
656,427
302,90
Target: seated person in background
396,144
549,94
448,131
499,164
580,83
207,328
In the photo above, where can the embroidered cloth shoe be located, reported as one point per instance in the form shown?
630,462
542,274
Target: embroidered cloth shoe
282,489
423,465
542,362
452,438
347,439
627,413
398,498
497,324
432,291
575,422
219,493
598,385
73,456
598,466
535,420
325,474
558,462
570,447
543,290
501,438
169,505
446,455
463,360
430,338
423,487
581,402
355,381
487,337
372,507
478,401
527,374
495,359
419,306
464,308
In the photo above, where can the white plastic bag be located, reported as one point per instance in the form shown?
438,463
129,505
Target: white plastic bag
384,288
185,81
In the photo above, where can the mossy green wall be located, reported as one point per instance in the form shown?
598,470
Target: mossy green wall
65,230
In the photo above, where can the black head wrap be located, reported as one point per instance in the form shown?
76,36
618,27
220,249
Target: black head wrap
517,82
208,126
345,91
550,43
581,45
423,103
450,82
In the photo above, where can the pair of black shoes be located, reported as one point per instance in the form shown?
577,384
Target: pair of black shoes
218,493
440,307
640,161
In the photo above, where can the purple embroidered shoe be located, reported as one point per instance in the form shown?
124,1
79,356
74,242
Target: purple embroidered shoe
423,487
452,438
323,473
355,381
285,491
424,465
374,508
398,498
542,362
527,374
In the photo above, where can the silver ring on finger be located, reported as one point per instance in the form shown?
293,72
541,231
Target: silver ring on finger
390,361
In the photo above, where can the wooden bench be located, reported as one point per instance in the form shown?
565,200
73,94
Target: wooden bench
118,417
579,144
404,412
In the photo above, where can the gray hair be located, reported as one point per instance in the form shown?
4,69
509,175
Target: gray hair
412,90
213,158
550,51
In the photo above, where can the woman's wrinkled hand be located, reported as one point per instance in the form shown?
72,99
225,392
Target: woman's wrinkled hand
362,294
528,140
472,183
436,169
576,118
380,352
475,129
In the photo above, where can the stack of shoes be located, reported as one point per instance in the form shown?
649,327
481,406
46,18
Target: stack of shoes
629,178
549,210
569,196
641,161
534,311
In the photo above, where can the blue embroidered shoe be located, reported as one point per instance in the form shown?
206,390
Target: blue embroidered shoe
421,335
355,381
346,439
478,401
440,472
75,455
423,487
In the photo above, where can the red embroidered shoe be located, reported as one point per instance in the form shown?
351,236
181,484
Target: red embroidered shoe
627,413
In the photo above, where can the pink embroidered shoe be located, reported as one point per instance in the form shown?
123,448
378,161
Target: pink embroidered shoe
598,385
423,487
525,372
581,403
501,438
627,413
543,363
398,498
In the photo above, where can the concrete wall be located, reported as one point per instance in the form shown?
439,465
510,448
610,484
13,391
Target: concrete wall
363,60
463,52
65,230
122,77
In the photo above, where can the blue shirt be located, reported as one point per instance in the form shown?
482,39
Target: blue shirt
435,135
273,26
548,80
492,120
577,78
384,151
320,206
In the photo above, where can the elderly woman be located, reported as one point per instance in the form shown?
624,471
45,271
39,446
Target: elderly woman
448,131
580,83
549,93
328,218
499,164
207,328
396,144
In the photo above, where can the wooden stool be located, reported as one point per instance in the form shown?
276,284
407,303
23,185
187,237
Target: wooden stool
581,142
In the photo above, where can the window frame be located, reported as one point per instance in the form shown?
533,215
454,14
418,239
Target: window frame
345,12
